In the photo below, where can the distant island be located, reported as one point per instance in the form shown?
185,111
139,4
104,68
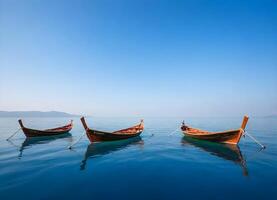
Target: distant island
271,116
35,114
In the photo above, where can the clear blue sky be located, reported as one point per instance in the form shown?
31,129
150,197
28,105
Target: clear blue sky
139,58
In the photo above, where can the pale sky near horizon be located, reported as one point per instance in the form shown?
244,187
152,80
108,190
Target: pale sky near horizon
139,58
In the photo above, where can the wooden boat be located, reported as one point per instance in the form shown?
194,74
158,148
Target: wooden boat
48,132
105,148
96,136
229,136
227,152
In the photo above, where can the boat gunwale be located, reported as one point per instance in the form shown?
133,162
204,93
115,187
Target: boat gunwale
203,132
118,132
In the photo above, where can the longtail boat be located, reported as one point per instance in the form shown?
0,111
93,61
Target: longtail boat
229,136
47,132
96,136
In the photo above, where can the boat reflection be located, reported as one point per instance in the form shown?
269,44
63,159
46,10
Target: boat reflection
104,148
225,151
31,141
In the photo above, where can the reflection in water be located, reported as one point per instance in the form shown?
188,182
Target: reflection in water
225,151
103,148
28,142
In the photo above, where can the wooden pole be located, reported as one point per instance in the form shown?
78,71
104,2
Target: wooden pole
84,123
244,122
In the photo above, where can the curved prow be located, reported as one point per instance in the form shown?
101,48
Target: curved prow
20,123
84,123
141,125
244,122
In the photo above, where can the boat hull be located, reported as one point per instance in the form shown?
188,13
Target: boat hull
97,136
37,133
228,137
48,132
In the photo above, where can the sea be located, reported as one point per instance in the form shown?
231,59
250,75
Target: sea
162,163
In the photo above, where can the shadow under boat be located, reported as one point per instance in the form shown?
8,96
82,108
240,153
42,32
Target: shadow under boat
104,148
31,141
226,151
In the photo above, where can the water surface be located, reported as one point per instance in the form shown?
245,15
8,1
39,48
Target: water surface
157,165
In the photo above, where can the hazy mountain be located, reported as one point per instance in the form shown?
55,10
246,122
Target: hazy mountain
35,114
271,116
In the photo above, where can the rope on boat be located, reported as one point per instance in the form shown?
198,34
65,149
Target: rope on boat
253,155
13,144
70,147
13,134
255,140
173,132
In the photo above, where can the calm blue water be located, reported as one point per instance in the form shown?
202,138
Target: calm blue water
156,165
